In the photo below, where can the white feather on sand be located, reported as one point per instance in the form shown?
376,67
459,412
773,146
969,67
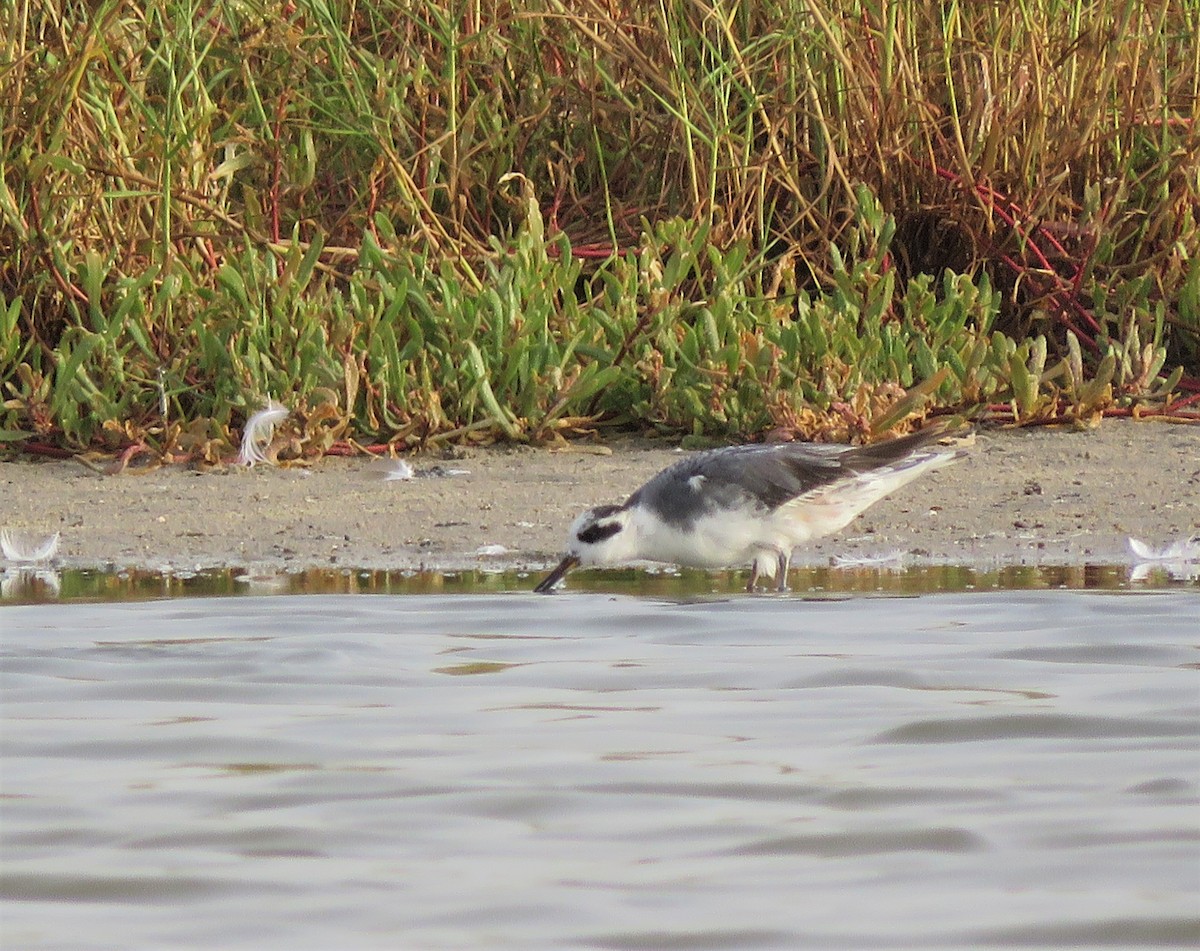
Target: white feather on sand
260,428
390,470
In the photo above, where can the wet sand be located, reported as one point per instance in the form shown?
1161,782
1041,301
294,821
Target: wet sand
1020,497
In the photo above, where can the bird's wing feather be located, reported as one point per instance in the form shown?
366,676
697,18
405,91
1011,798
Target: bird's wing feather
768,476
759,476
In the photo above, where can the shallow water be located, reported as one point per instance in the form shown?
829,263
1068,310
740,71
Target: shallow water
23,585
992,769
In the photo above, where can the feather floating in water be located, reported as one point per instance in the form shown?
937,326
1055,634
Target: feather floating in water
260,427
17,546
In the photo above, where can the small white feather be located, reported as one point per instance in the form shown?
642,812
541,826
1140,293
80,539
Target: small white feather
260,428
390,470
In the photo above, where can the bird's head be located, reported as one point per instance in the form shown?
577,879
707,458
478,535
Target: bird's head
600,536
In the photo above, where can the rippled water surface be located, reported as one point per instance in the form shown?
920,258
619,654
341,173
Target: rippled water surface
997,769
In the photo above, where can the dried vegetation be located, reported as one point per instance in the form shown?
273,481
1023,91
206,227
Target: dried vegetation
414,222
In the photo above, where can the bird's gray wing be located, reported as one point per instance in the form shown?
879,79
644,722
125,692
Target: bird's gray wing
754,477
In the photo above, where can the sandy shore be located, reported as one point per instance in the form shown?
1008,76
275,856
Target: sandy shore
1023,496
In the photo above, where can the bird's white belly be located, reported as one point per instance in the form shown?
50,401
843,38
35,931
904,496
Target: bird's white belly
731,539
727,540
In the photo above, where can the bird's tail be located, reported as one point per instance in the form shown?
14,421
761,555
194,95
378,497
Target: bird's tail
905,451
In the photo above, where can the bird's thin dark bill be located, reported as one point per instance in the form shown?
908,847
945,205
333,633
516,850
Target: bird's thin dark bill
557,574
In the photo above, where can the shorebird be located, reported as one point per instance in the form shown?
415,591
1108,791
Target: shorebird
753,503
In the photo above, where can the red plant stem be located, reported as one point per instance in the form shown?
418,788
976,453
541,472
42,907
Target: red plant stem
133,449
345,449
1183,403
44,449
206,252
60,279
1016,210
1085,338
1166,413
597,252
1063,304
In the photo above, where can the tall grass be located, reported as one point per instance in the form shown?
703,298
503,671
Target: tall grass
420,221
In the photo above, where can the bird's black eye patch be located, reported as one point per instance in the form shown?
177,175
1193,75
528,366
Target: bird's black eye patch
598,531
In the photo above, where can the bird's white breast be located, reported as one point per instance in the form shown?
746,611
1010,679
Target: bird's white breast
717,540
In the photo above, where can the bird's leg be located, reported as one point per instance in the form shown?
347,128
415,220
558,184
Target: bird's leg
753,577
784,561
